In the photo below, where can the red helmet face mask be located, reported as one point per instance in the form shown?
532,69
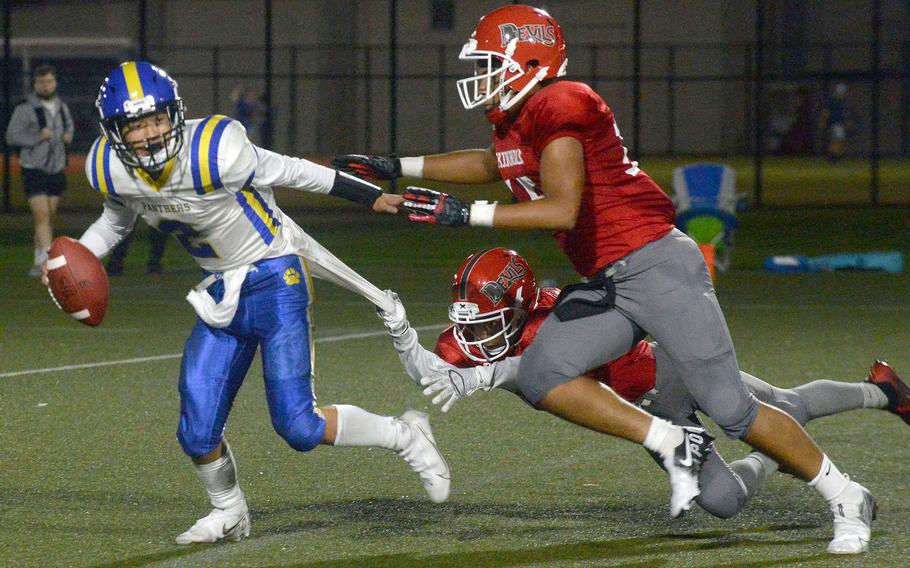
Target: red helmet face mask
491,294
513,48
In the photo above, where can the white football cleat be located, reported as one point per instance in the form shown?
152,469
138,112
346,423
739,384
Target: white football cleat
684,465
854,510
221,524
424,457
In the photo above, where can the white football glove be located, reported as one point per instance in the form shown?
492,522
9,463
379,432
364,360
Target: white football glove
453,383
396,321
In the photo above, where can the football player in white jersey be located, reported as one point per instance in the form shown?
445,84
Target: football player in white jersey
204,182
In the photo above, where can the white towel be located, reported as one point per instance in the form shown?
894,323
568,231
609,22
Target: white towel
222,313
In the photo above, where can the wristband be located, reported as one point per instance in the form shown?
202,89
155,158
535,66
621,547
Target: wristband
412,167
482,214
355,189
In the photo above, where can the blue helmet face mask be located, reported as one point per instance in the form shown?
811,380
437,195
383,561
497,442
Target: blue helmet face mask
136,90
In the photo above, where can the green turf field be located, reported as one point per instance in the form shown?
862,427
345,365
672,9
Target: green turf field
91,473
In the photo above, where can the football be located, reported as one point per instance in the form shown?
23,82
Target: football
77,281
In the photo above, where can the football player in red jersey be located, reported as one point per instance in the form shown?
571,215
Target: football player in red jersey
557,145
497,310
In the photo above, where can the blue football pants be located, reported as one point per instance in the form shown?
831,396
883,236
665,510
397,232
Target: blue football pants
272,313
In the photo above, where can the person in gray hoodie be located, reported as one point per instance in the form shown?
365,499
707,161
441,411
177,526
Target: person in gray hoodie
42,128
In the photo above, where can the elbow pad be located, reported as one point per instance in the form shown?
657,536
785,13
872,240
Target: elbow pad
355,189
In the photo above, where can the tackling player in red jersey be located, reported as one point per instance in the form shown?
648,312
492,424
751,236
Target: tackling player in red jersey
558,146
497,310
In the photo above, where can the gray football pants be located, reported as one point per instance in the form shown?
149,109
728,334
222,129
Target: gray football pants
664,289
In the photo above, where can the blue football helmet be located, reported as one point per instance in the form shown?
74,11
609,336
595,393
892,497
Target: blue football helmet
134,90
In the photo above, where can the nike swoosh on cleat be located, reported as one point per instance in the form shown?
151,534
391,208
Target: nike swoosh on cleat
448,473
687,461
225,530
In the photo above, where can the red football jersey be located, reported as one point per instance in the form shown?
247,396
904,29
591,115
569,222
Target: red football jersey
631,375
622,208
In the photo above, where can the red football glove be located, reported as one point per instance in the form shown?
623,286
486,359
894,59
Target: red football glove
428,206
371,167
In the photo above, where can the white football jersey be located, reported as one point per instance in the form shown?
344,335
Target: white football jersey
215,196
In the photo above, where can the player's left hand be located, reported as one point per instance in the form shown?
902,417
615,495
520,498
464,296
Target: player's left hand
396,321
453,383
388,203
428,206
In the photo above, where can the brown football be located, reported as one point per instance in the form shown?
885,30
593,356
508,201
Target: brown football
77,280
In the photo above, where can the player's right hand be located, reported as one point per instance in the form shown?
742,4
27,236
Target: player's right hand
367,166
396,320
435,207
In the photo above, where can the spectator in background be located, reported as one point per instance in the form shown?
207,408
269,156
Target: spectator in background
249,109
798,140
834,122
42,127
157,242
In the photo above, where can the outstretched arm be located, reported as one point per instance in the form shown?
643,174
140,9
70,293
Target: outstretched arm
417,361
461,166
275,169
562,173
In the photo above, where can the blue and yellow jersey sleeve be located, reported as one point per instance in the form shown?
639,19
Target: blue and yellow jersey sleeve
98,167
221,156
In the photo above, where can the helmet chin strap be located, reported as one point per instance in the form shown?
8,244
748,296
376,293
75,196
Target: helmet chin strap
498,115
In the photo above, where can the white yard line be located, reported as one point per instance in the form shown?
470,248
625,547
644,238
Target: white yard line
330,339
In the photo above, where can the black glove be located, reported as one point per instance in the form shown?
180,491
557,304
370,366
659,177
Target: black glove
428,206
365,166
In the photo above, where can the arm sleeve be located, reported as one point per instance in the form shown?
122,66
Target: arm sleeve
278,170
113,226
504,374
21,130
418,361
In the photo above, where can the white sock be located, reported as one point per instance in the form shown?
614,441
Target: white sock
663,437
359,428
830,481
220,480
873,396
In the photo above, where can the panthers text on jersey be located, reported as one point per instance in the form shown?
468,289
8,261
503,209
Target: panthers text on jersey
631,375
215,196
622,208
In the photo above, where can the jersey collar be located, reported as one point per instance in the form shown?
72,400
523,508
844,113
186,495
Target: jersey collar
157,184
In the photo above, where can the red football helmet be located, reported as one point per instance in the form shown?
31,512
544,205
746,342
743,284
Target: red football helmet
491,294
505,41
